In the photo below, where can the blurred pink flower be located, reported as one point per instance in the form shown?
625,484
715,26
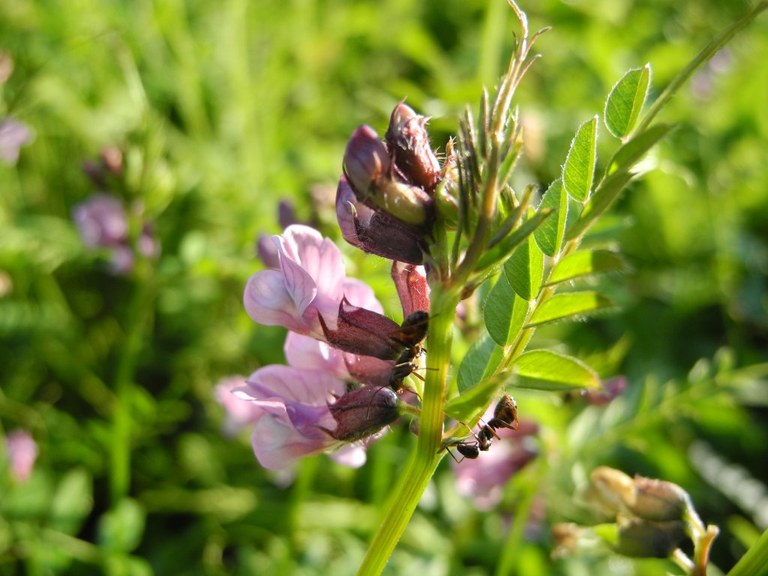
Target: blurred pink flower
103,223
22,453
483,479
13,135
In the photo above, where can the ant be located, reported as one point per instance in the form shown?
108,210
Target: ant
504,416
412,331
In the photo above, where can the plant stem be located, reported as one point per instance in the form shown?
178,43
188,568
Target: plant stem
136,315
407,493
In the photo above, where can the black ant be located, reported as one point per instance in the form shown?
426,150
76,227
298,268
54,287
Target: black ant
412,331
504,416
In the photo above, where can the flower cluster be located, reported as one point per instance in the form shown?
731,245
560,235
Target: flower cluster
347,362
22,453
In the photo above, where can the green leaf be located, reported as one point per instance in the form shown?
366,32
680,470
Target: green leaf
525,269
632,151
626,100
579,167
504,312
562,306
552,231
585,263
547,370
122,527
477,398
607,192
72,501
479,362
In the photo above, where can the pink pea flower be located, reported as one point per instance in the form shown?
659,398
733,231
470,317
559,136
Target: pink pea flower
483,479
22,453
239,413
291,411
13,135
309,281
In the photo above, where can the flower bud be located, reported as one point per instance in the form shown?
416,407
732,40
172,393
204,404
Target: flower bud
641,539
611,488
407,138
658,500
366,160
412,288
405,202
363,412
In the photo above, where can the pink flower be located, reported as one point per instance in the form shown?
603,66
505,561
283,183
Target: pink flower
290,412
22,453
309,281
13,135
239,413
102,221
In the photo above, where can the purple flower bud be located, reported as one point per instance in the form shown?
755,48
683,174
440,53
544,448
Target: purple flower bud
366,160
412,288
376,232
407,138
363,412
368,168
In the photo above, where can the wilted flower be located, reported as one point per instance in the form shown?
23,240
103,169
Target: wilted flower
362,412
13,135
376,232
22,453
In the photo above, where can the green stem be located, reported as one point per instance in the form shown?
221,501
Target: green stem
706,53
136,315
407,493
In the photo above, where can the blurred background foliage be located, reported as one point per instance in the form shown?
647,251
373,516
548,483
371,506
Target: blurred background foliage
223,109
